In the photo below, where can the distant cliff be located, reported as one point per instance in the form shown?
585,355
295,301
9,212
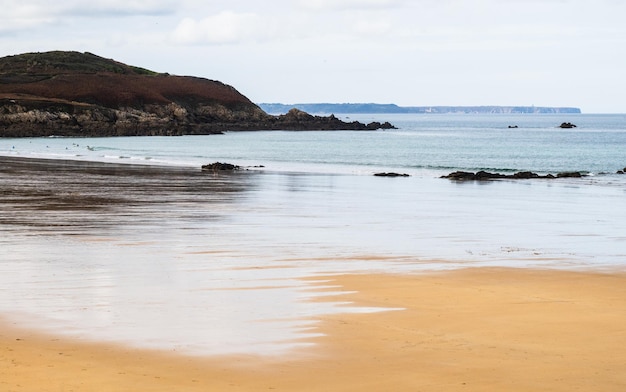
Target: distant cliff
81,94
345,108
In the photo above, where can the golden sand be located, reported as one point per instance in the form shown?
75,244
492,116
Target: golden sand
469,330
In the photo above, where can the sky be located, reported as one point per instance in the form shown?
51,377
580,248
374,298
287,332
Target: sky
407,52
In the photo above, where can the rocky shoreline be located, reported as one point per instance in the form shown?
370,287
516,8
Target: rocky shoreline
42,118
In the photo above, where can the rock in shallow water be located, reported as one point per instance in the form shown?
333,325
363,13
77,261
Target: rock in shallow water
485,176
391,174
219,166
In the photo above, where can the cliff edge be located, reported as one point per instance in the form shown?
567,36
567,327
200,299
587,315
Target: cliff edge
81,94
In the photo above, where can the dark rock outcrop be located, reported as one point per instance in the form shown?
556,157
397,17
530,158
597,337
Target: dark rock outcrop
81,94
391,174
296,119
219,166
525,175
574,174
567,125
486,176
471,176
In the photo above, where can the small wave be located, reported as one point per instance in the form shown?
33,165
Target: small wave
497,169
100,148
462,168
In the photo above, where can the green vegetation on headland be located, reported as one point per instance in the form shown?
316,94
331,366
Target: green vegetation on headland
80,94
372,108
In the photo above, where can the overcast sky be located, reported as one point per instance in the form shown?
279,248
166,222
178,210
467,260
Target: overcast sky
408,52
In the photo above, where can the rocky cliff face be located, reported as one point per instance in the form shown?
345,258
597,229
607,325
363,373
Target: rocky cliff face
81,94
33,116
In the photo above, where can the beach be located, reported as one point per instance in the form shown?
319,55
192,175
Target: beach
476,330
146,277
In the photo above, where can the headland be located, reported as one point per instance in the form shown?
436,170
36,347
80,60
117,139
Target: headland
81,94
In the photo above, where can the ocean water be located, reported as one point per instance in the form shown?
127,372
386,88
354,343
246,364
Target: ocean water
424,145
150,251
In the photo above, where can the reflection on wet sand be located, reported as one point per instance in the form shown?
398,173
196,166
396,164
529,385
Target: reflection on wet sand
148,256
75,195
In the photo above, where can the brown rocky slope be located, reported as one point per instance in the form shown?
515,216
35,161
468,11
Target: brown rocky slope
81,94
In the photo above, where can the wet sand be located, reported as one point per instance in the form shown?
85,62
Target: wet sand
483,329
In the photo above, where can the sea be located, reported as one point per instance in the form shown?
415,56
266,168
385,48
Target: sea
126,240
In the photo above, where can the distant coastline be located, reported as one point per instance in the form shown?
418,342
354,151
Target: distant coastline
344,108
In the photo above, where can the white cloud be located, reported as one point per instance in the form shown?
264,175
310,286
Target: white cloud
18,15
102,8
347,4
223,28
371,27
